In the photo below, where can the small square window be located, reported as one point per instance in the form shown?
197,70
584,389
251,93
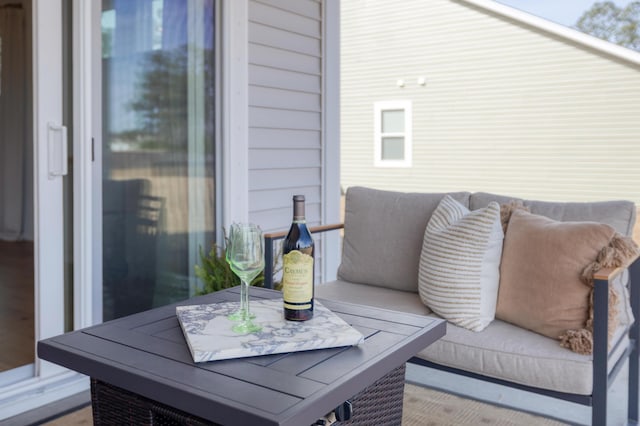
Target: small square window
392,134
392,149
393,121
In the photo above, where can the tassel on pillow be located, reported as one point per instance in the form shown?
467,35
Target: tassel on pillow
620,251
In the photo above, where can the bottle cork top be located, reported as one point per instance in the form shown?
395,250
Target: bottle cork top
298,208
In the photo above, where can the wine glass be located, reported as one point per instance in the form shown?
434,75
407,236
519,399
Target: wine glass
245,254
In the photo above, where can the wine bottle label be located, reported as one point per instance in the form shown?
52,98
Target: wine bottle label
297,280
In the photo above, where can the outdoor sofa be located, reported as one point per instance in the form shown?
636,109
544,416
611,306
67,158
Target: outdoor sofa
386,263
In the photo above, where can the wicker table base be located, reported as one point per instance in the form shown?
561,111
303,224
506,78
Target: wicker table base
379,404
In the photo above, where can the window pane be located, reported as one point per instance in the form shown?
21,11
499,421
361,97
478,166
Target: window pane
393,148
393,121
158,150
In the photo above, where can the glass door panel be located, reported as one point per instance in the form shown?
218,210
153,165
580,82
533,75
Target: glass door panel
32,170
16,189
158,97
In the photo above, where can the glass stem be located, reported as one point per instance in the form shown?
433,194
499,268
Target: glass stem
244,300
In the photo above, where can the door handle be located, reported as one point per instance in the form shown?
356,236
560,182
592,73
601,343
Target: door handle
57,147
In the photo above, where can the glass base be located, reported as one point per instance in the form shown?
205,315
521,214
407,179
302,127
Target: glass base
239,316
246,327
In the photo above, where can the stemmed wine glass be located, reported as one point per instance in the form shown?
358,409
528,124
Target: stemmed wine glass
245,254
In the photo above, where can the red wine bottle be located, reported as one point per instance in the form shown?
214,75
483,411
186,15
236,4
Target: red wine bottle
298,266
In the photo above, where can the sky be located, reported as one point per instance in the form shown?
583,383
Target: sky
565,12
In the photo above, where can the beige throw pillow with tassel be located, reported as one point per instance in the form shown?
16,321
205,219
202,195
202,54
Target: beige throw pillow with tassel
546,276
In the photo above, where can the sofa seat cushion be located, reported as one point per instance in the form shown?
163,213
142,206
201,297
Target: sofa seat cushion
508,352
383,233
379,297
503,351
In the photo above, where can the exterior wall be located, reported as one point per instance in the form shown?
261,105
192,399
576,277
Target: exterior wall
507,108
293,118
285,110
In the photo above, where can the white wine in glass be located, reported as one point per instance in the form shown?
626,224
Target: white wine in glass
245,254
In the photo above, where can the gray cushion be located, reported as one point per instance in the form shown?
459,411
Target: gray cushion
501,350
383,234
506,351
379,297
621,215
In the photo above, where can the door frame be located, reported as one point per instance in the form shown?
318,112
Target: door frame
49,381
48,190
87,300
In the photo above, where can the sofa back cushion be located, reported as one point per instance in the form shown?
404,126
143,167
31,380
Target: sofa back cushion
383,234
621,215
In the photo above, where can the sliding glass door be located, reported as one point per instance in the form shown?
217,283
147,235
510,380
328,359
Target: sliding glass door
33,173
16,190
35,199
158,149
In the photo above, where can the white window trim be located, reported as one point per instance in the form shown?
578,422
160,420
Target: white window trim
378,107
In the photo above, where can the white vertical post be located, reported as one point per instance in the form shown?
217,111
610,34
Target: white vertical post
95,108
235,110
331,136
82,173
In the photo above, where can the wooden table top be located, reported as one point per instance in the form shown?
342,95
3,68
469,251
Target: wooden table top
147,354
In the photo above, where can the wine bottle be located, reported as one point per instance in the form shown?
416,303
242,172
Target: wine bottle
298,266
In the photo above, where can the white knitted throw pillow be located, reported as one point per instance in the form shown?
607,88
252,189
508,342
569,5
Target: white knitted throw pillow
460,263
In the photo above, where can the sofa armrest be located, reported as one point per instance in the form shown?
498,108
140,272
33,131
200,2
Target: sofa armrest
607,274
270,237
601,282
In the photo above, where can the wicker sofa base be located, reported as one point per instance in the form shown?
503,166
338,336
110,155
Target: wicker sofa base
379,404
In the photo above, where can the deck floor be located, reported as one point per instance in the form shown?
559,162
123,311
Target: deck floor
16,304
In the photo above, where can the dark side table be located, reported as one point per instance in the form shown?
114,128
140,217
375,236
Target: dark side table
142,372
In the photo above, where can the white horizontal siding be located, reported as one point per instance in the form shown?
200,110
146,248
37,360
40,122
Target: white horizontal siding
270,36
284,138
284,99
284,118
506,108
269,159
284,15
309,8
292,179
270,218
284,59
280,199
284,79
285,110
